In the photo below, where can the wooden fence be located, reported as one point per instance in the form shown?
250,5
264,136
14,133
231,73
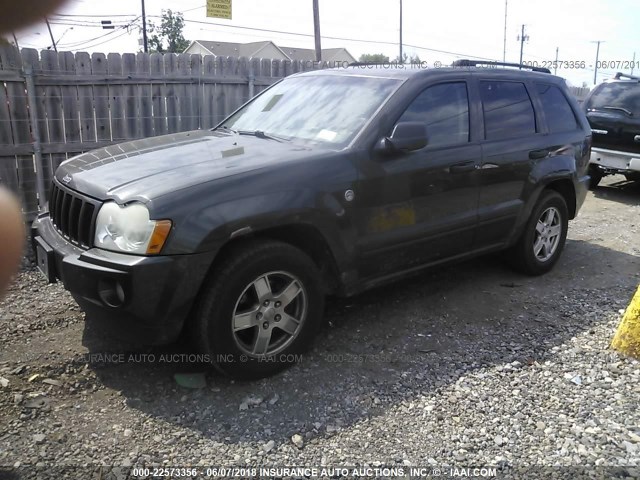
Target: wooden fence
56,105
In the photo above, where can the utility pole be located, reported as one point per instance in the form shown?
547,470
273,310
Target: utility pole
504,45
595,72
53,40
144,29
555,65
522,37
400,57
15,39
316,29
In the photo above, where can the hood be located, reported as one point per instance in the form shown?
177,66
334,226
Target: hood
152,167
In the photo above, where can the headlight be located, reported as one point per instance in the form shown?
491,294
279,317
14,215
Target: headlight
129,229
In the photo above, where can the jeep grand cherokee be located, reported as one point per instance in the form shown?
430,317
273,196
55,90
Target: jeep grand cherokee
328,182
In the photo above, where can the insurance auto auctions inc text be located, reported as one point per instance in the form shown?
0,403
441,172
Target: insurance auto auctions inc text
356,472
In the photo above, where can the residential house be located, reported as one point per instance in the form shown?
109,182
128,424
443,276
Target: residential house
267,49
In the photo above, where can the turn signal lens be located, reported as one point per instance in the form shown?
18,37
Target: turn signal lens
159,236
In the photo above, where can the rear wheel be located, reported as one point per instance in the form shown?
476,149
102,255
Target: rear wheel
633,177
596,176
544,236
260,310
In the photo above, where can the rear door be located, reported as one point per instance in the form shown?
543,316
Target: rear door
513,141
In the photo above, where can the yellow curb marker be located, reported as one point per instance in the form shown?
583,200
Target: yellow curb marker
627,337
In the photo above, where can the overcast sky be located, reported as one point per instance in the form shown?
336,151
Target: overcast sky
465,28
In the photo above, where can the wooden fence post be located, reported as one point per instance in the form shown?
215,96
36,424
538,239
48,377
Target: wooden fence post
35,129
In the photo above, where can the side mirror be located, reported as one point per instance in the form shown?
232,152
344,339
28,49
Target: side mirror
406,137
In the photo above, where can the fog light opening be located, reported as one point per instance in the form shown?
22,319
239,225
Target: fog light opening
111,292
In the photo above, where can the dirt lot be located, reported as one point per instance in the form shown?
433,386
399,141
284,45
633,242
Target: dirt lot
469,365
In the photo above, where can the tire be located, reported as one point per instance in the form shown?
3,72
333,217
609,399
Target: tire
596,176
632,177
549,215
242,321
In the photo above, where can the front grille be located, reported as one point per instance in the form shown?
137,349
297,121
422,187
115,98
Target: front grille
73,216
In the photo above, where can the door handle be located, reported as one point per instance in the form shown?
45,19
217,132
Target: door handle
537,154
462,167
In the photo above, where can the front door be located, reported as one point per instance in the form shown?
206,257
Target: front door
420,207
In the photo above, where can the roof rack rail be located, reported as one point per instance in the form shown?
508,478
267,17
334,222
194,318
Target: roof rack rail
620,75
361,64
475,63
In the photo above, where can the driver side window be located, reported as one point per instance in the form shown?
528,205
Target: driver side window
444,108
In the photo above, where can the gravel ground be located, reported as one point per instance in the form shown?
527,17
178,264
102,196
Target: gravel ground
466,366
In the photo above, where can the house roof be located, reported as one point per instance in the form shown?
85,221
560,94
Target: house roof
328,54
232,49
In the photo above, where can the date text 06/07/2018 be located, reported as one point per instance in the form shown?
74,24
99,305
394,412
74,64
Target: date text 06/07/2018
582,64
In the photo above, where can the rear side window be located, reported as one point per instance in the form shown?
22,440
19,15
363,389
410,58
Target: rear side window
557,111
444,108
508,112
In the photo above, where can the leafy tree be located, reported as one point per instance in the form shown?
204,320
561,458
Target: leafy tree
168,37
407,59
373,58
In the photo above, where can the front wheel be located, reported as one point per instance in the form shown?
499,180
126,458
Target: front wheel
544,236
260,310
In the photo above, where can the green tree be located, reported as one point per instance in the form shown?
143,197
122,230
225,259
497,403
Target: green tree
407,59
168,37
373,58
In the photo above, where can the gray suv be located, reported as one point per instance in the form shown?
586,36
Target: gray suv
327,183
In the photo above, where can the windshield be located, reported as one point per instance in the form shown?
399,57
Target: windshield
328,109
624,95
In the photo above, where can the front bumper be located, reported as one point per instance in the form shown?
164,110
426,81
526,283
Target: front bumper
148,297
611,161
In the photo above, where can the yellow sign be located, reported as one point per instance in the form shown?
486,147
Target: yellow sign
219,8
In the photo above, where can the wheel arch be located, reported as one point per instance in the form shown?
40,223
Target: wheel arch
305,237
565,188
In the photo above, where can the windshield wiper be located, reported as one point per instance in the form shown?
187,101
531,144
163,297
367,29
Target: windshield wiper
254,133
259,134
621,109
224,127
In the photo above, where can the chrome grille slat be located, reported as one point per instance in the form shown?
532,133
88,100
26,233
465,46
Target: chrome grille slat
73,215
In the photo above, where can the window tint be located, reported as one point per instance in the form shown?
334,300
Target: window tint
508,111
445,110
616,94
323,109
557,111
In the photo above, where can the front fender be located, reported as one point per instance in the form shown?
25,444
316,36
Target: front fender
209,229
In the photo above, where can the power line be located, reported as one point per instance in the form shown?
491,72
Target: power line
106,41
93,16
90,25
84,43
379,42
